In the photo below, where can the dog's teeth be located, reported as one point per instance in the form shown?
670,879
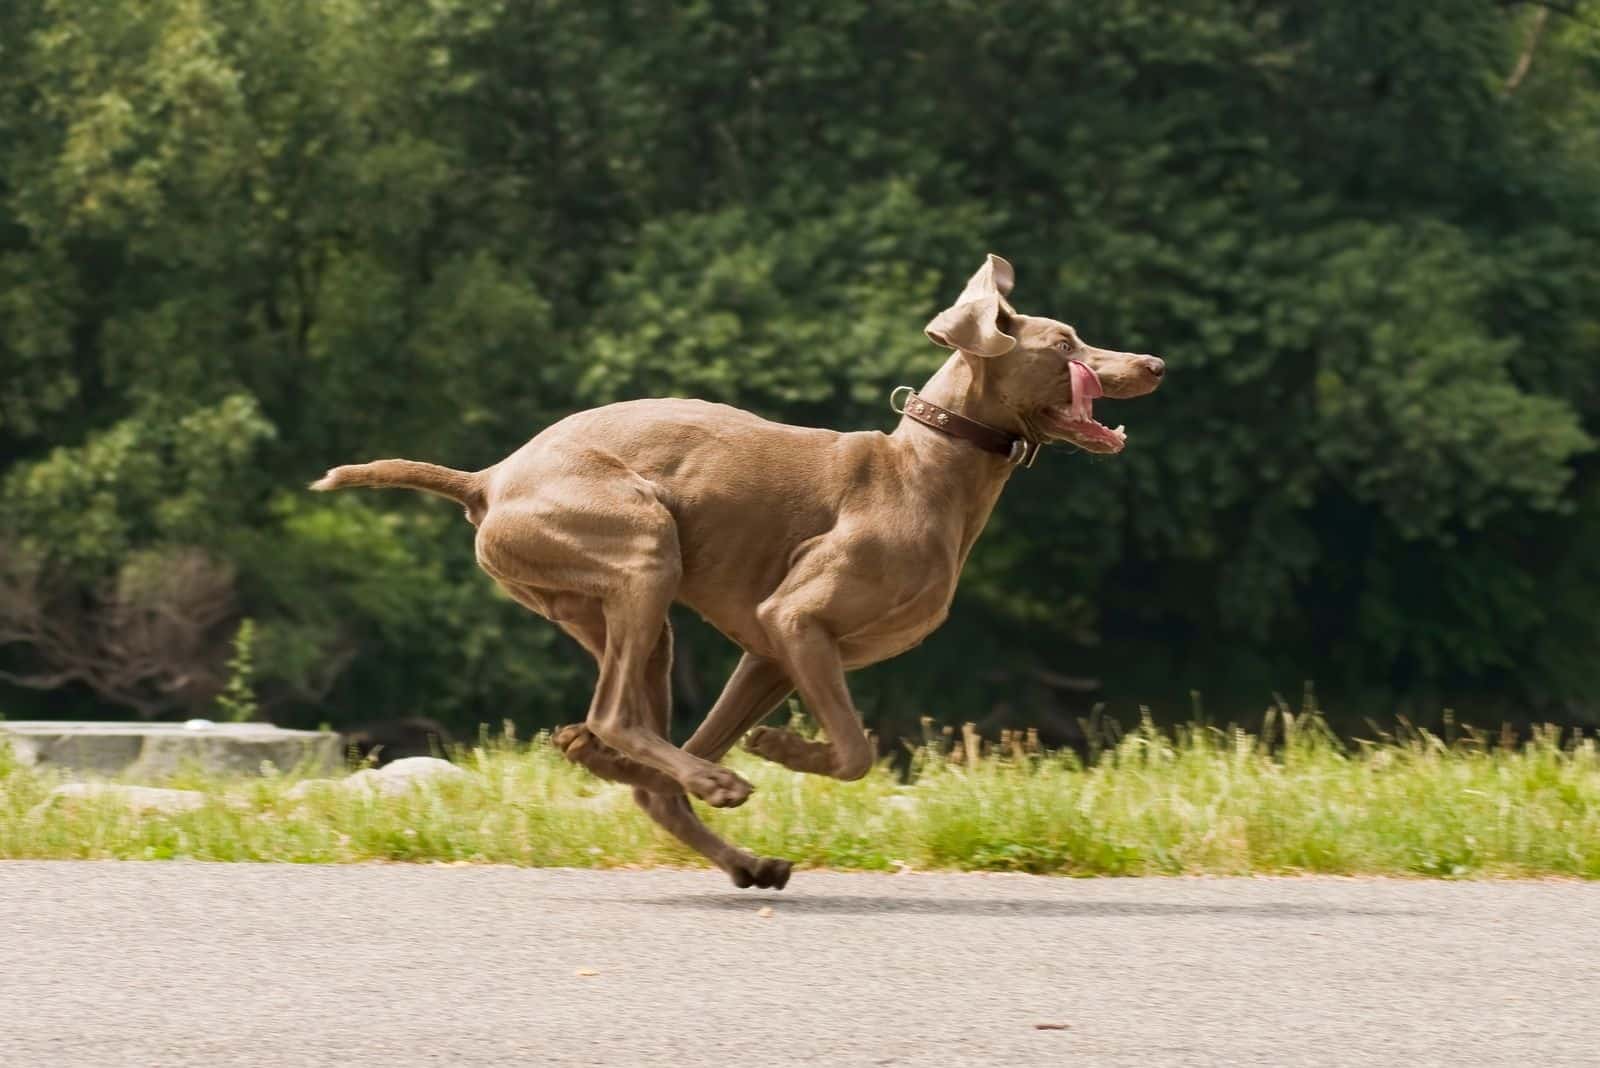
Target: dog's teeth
1118,430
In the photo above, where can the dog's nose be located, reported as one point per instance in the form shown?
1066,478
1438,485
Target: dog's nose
1154,365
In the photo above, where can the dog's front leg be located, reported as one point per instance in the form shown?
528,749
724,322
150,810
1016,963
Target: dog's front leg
754,691
810,657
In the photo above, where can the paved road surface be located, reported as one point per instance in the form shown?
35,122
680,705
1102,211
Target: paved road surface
187,964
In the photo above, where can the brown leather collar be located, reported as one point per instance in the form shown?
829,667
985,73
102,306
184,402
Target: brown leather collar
1020,451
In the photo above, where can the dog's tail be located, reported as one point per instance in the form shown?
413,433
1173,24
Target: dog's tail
464,487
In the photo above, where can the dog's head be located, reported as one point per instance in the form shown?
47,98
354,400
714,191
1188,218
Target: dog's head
1044,375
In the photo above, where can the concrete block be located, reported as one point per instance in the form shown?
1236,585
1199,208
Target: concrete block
156,750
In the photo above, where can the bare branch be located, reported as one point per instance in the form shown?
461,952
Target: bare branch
41,682
314,687
154,638
1525,60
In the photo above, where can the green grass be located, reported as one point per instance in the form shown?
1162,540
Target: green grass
1198,800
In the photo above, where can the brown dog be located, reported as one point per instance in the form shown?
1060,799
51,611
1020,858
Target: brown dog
815,551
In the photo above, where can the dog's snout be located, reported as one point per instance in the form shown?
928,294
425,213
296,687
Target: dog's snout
1155,365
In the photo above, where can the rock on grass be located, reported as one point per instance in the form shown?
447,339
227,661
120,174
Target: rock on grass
137,798
391,779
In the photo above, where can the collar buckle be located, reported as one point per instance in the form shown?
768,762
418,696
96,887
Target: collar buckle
1024,452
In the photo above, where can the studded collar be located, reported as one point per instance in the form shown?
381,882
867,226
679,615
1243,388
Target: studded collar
1019,450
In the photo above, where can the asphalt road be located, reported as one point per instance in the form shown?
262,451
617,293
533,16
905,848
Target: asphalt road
188,964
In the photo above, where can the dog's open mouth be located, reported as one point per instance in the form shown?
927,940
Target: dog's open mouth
1075,422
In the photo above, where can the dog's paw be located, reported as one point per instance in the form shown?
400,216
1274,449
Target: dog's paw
764,873
789,749
718,787
769,742
572,739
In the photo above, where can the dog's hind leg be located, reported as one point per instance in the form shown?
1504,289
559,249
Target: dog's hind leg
621,717
754,690
639,586
579,744
606,566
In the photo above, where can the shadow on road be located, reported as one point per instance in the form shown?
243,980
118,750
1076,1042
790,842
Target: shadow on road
853,905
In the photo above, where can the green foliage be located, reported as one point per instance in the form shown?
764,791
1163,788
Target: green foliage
810,313
237,701
169,473
242,241
1195,801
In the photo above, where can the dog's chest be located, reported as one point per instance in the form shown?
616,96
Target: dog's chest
902,626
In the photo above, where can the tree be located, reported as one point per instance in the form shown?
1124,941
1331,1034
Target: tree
241,241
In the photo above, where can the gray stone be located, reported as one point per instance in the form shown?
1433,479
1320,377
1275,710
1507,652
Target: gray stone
304,789
137,798
389,780
417,769
156,750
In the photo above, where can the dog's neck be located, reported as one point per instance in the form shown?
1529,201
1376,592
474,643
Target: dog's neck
962,386
957,474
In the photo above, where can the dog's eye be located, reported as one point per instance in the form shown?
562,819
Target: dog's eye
1066,344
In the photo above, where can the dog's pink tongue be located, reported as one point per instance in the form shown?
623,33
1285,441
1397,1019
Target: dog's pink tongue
1085,388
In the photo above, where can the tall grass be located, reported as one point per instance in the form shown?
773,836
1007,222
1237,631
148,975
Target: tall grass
1194,800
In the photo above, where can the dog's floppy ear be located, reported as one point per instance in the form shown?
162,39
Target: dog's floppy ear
974,323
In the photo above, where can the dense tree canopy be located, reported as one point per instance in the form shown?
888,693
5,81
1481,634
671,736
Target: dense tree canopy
242,240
